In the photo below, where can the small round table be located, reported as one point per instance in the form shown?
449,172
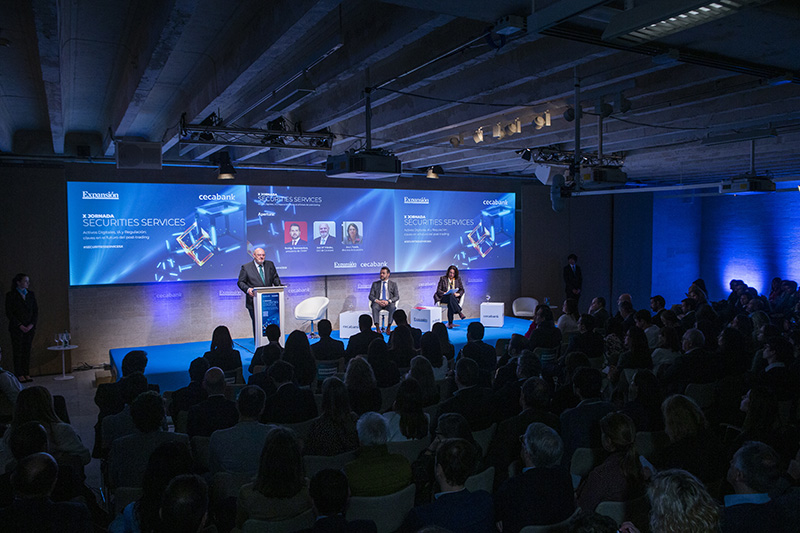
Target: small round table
62,349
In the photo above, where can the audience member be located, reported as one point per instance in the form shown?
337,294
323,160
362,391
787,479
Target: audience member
407,421
644,321
298,354
507,398
657,306
626,314
637,353
778,354
620,477
696,365
507,363
269,353
448,350
362,388
193,393
591,522
542,493
222,355
235,449
9,389
432,351
401,346
587,340
334,431
326,348
580,426
456,508
216,412
358,344
423,372
330,493
568,322
613,341
385,369
669,348
280,490
184,508
546,334
33,510
129,455
121,424
598,310
402,320
376,472
644,402
485,355
470,400
290,404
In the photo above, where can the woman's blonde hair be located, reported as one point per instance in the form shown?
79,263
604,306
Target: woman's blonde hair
682,417
679,503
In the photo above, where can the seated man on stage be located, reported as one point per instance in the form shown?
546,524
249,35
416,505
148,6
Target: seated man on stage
382,296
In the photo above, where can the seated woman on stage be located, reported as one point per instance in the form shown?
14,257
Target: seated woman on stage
450,282
222,354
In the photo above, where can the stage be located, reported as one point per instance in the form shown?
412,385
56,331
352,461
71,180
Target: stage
168,364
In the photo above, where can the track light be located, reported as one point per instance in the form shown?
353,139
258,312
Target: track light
478,135
434,171
540,121
526,154
569,114
455,142
514,127
226,170
497,131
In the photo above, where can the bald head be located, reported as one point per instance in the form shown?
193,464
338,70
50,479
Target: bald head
214,381
35,476
259,255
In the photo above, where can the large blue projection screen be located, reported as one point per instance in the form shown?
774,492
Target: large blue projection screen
145,233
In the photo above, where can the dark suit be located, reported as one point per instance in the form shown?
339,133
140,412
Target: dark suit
573,280
184,398
590,343
266,355
300,242
461,511
580,426
539,496
213,414
546,335
249,278
37,515
21,312
327,349
392,295
695,366
473,403
359,343
337,524
416,336
601,316
290,404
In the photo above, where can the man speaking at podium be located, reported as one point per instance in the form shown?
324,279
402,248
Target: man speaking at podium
257,273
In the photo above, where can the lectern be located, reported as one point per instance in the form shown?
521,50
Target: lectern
268,305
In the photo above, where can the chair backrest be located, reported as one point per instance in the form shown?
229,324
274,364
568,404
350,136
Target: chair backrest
648,444
315,463
388,512
124,496
201,451
484,437
702,393
388,394
560,527
312,308
302,521
232,390
481,481
524,306
636,511
583,460
301,428
410,449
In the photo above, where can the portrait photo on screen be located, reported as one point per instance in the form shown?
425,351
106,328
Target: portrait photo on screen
324,232
353,232
295,233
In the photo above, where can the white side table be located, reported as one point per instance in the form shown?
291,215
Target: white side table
425,317
348,324
492,314
62,349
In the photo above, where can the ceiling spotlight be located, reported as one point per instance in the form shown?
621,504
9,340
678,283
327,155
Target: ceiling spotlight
540,121
478,135
497,131
434,171
226,170
455,142
623,104
526,154
514,127
569,114
603,109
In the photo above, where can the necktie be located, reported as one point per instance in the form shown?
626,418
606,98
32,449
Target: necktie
383,291
261,272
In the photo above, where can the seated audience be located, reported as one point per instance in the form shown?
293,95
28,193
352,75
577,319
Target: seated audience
298,354
33,510
778,354
9,387
507,363
236,449
542,493
568,321
385,369
644,321
290,404
129,455
184,508
362,388
483,354
121,424
216,412
222,355
280,490
471,400
657,306
358,344
613,341
637,352
376,472
507,397
334,431
330,493
692,446
170,459
401,346
422,371
696,365
193,393
448,350
598,310
432,351
456,508
587,340
401,319
326,348
762,422
644,402
592,522
580,426
669,348
269,353
620,477
407,420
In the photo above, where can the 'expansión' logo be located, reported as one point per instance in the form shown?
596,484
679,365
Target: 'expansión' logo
421,200
110,195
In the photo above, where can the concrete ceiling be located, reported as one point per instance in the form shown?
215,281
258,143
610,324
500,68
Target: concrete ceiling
81,73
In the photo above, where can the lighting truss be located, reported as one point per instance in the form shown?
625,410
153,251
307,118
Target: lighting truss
552,155
255,137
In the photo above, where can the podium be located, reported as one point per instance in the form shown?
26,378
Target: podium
268,305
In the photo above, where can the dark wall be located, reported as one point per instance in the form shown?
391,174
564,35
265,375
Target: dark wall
632,248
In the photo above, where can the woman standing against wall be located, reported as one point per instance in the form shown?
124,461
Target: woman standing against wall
22,312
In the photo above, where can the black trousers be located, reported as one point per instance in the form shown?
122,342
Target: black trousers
453,307
21,348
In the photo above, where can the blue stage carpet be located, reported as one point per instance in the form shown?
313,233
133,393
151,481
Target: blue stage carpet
168,364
